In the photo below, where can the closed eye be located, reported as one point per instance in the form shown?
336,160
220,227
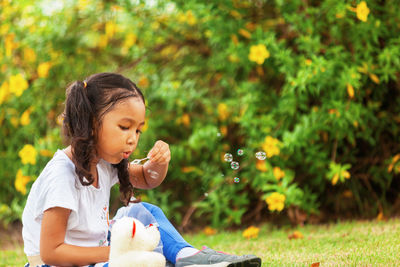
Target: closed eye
123,128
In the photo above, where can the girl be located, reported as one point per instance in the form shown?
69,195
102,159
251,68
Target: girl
65,220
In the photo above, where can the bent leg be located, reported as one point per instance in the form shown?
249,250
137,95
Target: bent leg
172,240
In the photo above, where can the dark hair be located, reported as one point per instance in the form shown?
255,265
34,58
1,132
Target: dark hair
86,104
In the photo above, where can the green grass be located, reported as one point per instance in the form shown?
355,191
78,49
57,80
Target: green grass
342,244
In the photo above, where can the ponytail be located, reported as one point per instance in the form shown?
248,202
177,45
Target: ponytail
78,126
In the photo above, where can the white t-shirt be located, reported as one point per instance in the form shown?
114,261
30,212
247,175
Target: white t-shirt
59,186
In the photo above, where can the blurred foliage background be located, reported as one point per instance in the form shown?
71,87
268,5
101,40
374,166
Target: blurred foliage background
313,84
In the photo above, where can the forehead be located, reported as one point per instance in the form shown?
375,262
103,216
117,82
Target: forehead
131,108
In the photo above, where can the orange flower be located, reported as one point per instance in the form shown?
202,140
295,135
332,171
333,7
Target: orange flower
260,165
278,173
271,146
350,90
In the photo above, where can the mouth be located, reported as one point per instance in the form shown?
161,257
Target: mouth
126,154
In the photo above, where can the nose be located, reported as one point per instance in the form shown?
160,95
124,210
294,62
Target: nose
132,138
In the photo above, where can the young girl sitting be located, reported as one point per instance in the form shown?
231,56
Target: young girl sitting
66,217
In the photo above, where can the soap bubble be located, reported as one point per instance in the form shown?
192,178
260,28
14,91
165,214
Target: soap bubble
240,152
228,157
236,179
235,165
206,194
261,155
219,134
153,174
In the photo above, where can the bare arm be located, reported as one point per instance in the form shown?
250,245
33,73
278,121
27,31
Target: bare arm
53,250
153,172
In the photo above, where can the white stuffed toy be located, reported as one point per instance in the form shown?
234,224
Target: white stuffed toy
132,244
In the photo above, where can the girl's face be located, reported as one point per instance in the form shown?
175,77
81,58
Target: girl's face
120,130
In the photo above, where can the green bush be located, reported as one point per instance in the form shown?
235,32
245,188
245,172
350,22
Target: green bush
314,84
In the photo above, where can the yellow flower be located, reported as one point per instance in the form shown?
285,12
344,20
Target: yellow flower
143,82
17,84
21,181
222,111
234,38
185,120
28,154
350,90
251,232
278,173
245,33
261,166
296,235
345,174
335,179
270,146
111,29
362,11
130,40
43,69
258,53
308,62
276,201
46,153
29,55
190,18
209,231
224,130
4,92
25,120
374,78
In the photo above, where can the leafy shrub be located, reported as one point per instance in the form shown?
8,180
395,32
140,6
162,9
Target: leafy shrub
313,84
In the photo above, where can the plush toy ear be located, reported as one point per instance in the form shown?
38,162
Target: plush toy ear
133,229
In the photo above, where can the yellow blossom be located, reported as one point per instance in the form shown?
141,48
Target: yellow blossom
43,69
245,33
185,119
374,78
394,160
130,40
224,130
234,38
187,169
335,179
345,174
17,84
362,11
25,120
4,92
190,18
258,53
21,181
278,173
28,154
209,231
110,29
296,235
29,55
350,90
261,166
9,44
270,146
222,111
46,153
308,62
276,201
14,121
143,82
251,232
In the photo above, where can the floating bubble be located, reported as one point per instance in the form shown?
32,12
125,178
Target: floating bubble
228,157
206,194
219,134
240,152
153,174
235,165
261,155
236,179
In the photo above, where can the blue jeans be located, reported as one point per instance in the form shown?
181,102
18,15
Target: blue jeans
171,241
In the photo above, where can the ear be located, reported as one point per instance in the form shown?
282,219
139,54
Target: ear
133,229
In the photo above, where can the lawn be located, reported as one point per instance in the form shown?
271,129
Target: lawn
367,243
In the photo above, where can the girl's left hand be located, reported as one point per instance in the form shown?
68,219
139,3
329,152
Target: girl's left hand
160,153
